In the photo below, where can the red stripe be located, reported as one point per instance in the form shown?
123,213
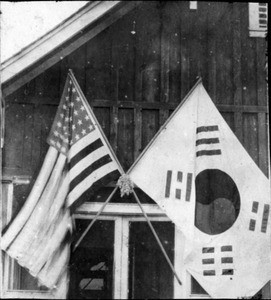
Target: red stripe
102,182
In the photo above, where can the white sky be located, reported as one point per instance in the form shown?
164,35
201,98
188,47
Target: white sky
24,22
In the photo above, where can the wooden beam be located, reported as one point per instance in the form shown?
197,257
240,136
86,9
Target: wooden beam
132,209
262,88
113,127
165,58
237,82
185,51
262,142
163,116
24,294
138,132
145,105
211,55
1,196
238,126
67,48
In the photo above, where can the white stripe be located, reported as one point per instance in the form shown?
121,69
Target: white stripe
87,161
88,181
60,196
61,291
29,234
43,238
58,230
208,147
207,135
54,267
32,199
83,142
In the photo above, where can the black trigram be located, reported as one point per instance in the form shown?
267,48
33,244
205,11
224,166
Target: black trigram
265,216
207,136
177,179
212,266
208,259
226,260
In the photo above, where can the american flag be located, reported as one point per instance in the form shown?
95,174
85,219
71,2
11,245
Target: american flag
76,134
78,162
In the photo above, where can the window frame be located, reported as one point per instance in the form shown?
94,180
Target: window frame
123,214
7,272
255,28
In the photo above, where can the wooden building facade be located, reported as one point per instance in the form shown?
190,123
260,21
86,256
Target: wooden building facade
135,61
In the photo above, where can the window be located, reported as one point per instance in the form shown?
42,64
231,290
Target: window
139,267
196,288
91,264
149,274
118,258
17,282
257,19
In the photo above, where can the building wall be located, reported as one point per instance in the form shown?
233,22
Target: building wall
136,72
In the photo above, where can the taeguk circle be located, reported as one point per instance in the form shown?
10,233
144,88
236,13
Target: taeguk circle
217,201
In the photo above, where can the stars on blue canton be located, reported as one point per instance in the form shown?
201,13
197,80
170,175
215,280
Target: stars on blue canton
72,121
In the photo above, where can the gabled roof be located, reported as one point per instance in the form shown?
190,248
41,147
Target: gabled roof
54,46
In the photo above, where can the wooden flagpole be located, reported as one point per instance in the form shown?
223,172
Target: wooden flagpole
157,238
95,119
94,219
122,171
111,151
165,124
138,159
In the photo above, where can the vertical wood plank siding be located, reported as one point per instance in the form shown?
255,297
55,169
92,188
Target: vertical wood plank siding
137,70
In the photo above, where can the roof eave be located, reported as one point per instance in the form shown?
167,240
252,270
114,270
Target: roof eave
28,56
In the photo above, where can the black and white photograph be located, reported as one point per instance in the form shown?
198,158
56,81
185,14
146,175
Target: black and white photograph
134,150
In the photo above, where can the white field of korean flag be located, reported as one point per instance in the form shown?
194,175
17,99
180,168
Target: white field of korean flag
165,170
231,249
198,172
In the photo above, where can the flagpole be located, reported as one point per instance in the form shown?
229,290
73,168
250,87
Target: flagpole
122,171
95,119
164,125
94,219
111,151
157,238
